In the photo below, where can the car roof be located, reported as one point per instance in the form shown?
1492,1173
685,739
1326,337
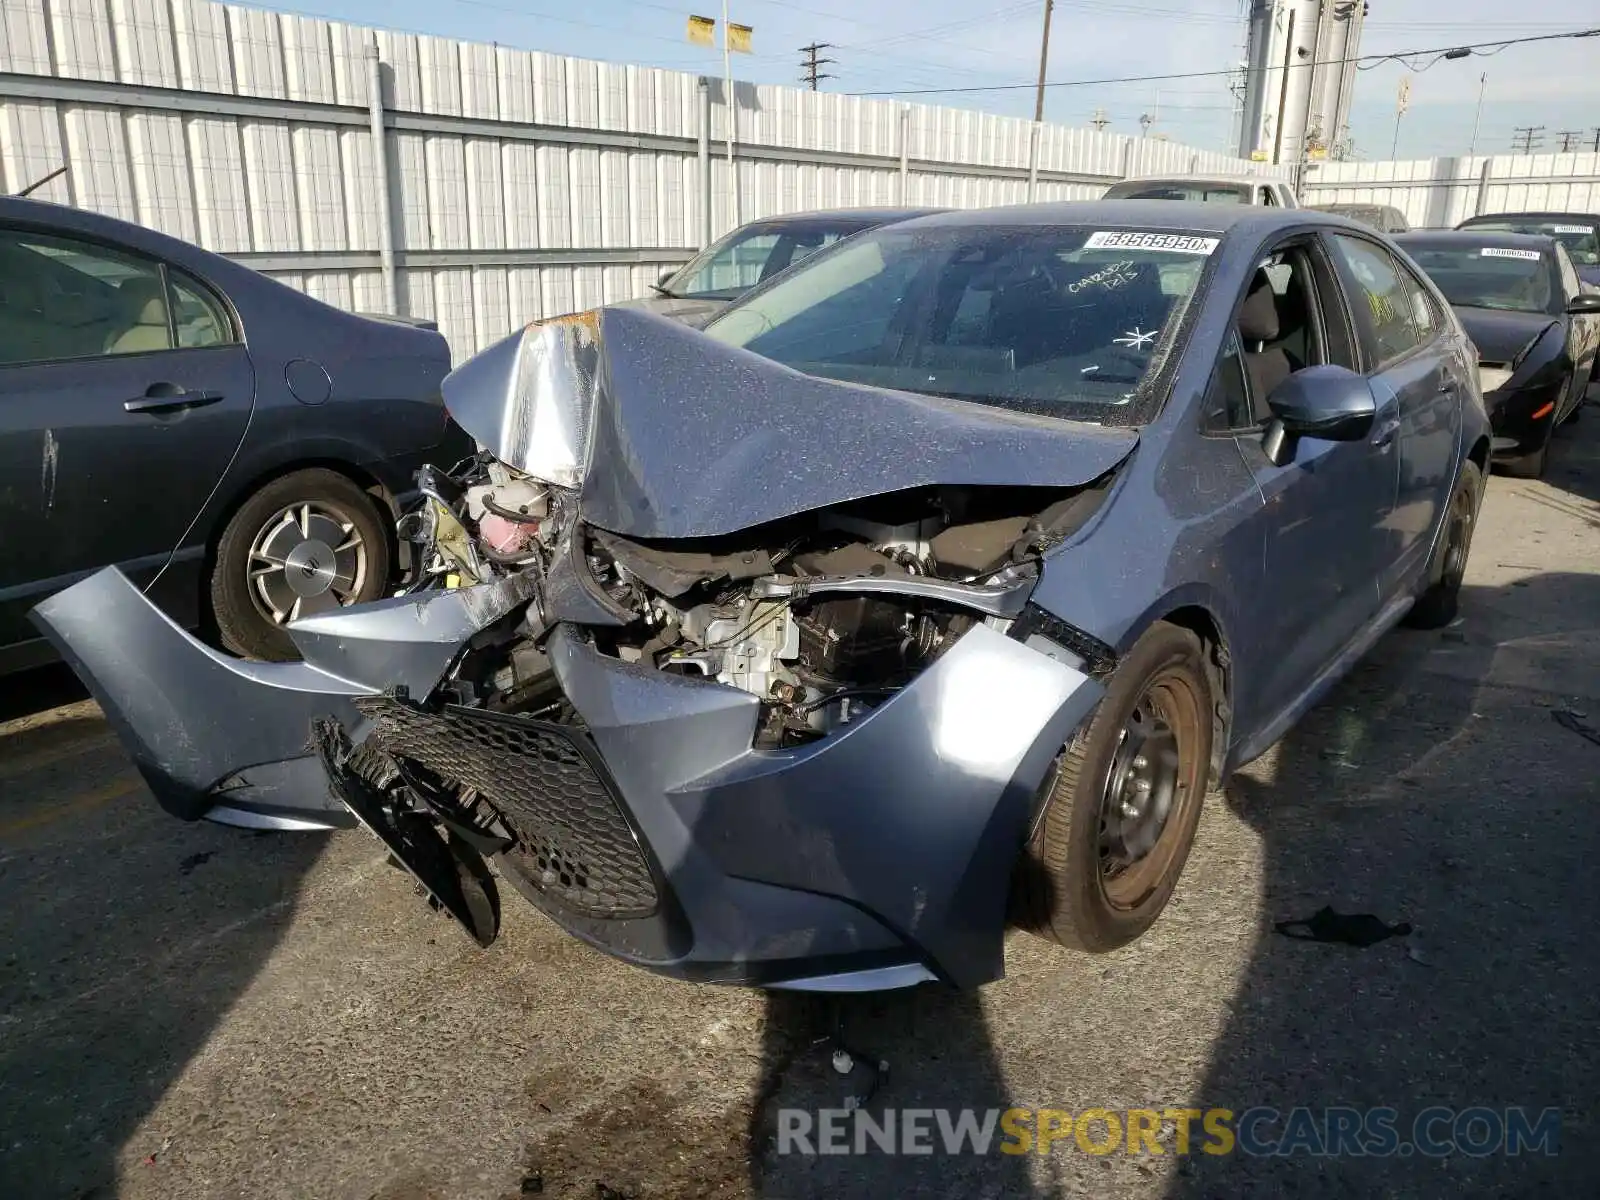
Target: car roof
1185,215
1591,218
1469,238
1181,178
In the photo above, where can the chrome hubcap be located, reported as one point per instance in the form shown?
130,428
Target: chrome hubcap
308,558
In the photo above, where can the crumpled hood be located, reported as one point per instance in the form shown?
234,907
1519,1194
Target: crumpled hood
1498,335
685,437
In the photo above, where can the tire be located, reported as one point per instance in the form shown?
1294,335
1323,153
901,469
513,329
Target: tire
307,542
1436,607
1069,887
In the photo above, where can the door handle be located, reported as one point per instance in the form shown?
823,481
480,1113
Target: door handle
167,397
1384,434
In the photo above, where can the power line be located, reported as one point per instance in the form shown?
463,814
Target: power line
811,66
1398,56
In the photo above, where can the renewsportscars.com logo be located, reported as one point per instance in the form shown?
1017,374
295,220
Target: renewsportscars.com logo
1436,1132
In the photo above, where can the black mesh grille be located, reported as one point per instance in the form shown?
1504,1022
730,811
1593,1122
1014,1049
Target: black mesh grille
573,842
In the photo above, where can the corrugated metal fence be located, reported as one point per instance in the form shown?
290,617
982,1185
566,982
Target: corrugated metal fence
1439,193
513,184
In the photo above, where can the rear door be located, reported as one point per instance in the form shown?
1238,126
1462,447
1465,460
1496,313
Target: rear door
1408,355
125,389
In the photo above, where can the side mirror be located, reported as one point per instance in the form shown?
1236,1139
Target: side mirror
1328,402
1586,305
665,275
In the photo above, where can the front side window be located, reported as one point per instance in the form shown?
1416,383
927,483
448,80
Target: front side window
1508,279
1069,321
1581,238
62,299
1391,312
732,267
1228,401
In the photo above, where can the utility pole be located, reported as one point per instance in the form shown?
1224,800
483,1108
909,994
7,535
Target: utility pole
1477,120
811,66
1571,139
1596,133
1044,61
1527,138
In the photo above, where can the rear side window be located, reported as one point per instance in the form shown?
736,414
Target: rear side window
1387,303
198,318
62,299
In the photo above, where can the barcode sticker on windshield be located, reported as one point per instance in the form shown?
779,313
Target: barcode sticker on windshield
1178,243
1499,252
1569,228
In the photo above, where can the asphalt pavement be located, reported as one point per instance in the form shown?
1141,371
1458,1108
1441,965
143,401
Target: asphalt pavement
192,1011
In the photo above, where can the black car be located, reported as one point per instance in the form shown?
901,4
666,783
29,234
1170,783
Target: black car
752,254
1383,217
239,449
1578,232
1536,328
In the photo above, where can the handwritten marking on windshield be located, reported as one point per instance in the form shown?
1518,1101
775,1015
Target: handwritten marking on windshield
1136,338
1110,277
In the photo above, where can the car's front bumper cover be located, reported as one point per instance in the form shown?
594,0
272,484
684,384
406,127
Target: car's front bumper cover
879,855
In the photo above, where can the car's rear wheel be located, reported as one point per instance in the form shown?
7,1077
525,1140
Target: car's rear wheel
1123,801
308,542
1437,606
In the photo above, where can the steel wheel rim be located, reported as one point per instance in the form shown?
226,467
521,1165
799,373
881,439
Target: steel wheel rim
1149,789
308,558
1455,560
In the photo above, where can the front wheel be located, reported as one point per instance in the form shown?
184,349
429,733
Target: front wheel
1123,801
308,542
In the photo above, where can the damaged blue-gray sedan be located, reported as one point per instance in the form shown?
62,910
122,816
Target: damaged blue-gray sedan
929,590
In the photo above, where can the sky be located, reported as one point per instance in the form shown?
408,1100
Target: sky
901,46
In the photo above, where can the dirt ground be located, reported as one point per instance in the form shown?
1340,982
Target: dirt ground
192,1011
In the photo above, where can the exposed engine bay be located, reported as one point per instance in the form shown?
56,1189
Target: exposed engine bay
821,616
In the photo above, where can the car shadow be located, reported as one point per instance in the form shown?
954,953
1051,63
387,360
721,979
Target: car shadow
1394,797
1575,459
125,937
927,1048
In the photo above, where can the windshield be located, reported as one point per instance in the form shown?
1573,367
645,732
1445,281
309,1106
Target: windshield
1488,276
1160,189
1581,240
1065,321
727,269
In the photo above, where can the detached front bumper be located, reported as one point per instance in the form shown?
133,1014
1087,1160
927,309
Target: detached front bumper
652,828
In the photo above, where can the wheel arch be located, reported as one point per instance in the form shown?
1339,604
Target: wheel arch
1200,618
1479,454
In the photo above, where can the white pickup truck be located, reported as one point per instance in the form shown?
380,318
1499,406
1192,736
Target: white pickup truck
1216,189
